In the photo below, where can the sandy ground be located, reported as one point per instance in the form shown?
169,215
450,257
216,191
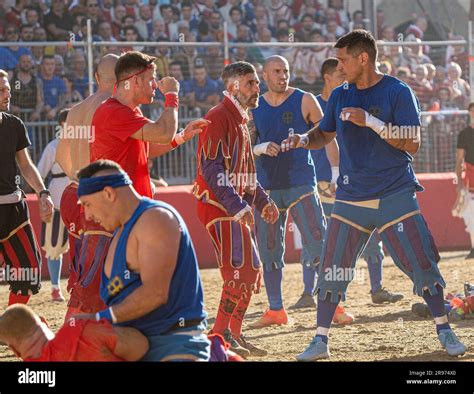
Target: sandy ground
387,332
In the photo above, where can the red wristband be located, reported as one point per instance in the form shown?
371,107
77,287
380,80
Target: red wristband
177,140
171,100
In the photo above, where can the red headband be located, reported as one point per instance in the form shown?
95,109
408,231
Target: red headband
150,65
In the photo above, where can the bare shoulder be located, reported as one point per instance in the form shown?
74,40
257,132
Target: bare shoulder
157,220
83,111
310,99
311,109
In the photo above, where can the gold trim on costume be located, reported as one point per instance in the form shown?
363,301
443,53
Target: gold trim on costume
323,187
372,204
180,357
297,201
98,232
350,223
13,232
208,199
407,215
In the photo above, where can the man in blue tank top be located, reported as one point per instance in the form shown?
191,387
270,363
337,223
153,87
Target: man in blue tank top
290,179
377,120
150,279
327,172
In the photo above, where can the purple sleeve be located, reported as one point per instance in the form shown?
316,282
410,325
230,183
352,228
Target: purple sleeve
215,176
260,199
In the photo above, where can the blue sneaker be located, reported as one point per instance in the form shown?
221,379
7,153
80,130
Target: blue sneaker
450,342
316,350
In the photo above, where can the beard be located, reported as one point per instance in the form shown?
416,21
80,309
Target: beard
4,106
247,101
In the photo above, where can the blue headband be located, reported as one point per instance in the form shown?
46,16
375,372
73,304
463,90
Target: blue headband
98,183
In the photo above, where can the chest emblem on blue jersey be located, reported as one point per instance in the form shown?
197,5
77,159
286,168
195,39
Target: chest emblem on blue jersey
287,117
375,110
115,286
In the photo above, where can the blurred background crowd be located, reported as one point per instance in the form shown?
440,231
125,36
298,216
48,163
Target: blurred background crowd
46,77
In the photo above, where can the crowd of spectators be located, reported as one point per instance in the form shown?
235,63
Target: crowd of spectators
47,78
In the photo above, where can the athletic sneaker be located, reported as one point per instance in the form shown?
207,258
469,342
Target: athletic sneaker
342,317
270,318
234,345
57,296
450,342
254,350
382,295
305,301
316,350
468,289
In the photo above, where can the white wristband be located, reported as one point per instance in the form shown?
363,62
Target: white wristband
241,213
374,123
114,319
261,149
304,141
334,174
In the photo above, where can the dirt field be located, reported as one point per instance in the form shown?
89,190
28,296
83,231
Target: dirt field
380,332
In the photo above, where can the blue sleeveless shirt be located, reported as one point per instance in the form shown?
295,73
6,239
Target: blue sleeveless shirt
320,159
288,169
185,299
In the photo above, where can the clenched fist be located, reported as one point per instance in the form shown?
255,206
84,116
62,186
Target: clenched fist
168,85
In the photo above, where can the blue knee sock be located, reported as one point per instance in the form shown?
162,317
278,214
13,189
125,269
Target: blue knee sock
374,264
309,279
273,281
436,305
324,315
54,267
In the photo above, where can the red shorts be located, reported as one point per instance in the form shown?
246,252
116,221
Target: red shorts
71,216
89,250
20,250
237,255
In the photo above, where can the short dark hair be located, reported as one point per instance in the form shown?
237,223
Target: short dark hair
471,105
175,10
316,31
175,63
403,71
63,115
97,166
237,69
282,32
28,9
235,8
329,66
358,41
135,30
131,62
45,57
26,26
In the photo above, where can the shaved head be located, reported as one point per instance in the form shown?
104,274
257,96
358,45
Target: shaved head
106,69
275,59
17,323
276,73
